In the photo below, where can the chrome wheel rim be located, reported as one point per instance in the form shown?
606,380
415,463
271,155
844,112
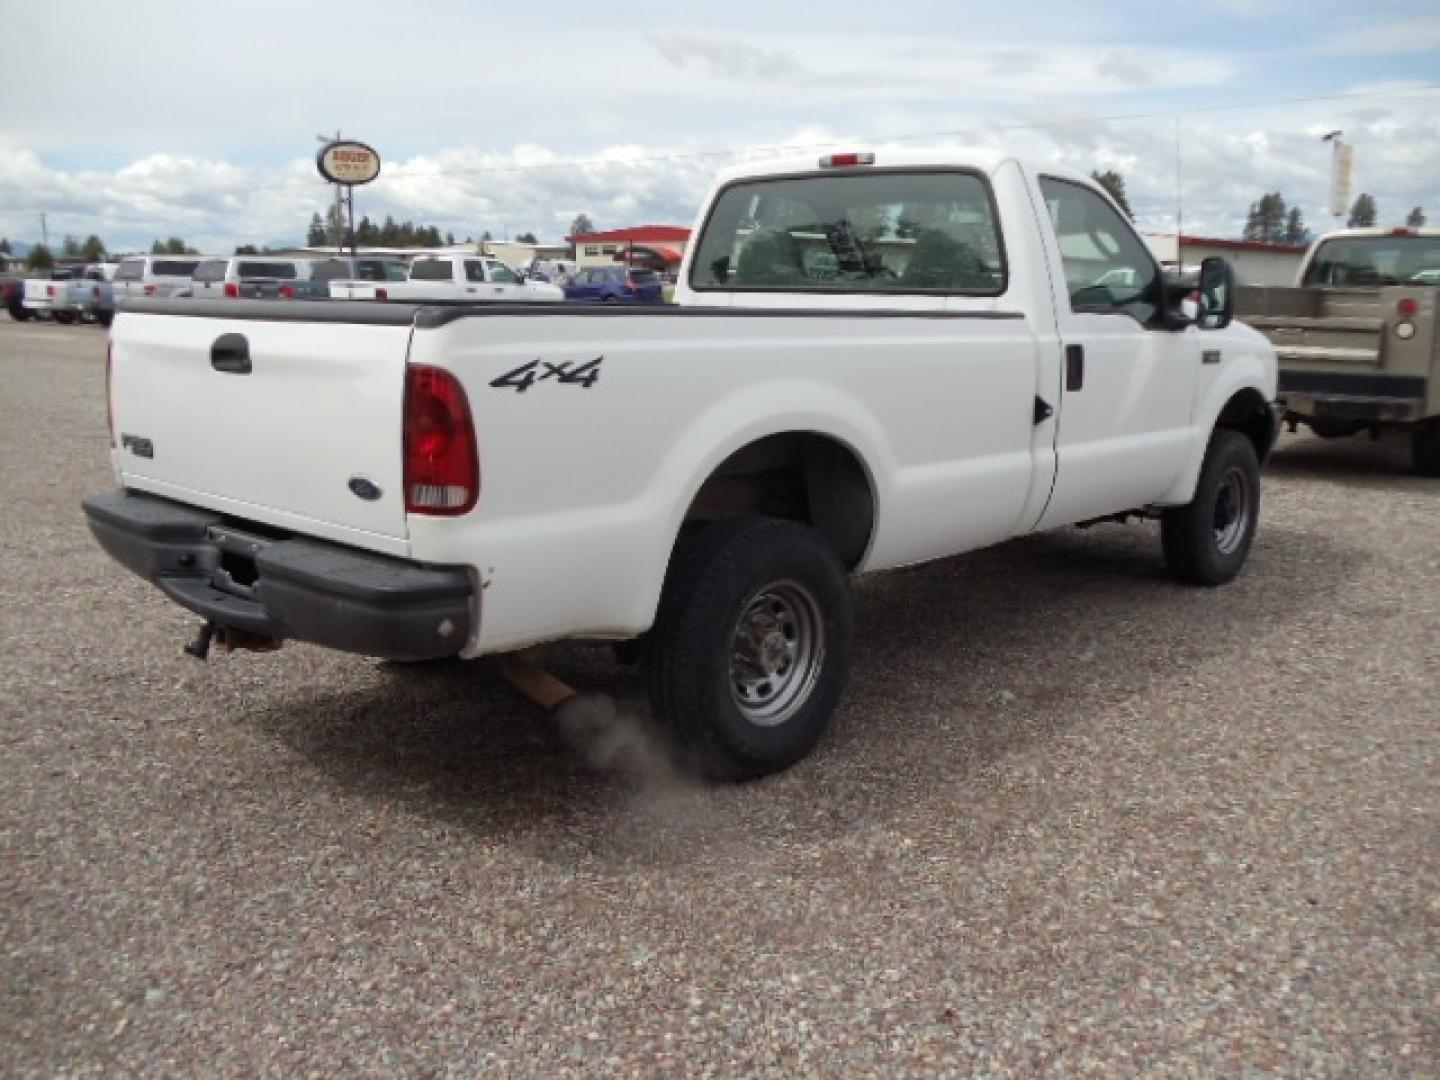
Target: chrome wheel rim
1232,511
777,647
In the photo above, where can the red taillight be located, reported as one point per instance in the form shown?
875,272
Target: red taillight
840,161
442,466
52,290
149,290
1408,308
109,393
232,289
287,292
382,294
1401,230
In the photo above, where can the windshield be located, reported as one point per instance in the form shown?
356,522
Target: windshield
1376,260
882,231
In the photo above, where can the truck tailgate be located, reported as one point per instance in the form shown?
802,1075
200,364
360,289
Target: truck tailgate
292,423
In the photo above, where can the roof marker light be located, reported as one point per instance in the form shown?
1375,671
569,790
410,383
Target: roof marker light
840,161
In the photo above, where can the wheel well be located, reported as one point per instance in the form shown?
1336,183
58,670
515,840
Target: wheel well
1247,413
800,476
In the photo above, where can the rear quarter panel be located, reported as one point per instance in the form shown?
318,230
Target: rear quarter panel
584,489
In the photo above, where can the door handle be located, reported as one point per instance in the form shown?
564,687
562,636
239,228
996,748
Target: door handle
1074,367
231,354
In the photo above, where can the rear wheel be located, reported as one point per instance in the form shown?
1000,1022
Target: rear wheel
105,318
65,318
1206,542
20,314
1425,448
751,647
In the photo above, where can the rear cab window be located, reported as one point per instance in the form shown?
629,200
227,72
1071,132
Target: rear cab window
883,231
1370,261
211,270
430,270
173,267
130,270
262,271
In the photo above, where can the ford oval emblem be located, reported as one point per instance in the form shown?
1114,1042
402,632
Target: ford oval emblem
365,489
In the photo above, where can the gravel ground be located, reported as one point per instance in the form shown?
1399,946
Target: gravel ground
1072,818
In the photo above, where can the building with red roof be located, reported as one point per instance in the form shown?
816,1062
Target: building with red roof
658,246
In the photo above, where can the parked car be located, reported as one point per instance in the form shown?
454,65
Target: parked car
250,277
1359,337
356,279
154,275
615,285
72,293
414,481
550,271
452,277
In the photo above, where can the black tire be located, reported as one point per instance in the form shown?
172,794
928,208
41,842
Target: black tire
1425,448
1206,542
64,318
20,314
786,578
105,318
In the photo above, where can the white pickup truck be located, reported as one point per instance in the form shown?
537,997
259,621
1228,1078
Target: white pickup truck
469,278
873,360
73,294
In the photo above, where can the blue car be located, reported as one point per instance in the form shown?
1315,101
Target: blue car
615,285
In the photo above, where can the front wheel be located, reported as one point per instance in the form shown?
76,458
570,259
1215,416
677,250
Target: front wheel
1206,542
20,314
751,647
64,318
1425,448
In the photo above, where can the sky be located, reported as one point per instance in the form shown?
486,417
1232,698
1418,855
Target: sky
153,118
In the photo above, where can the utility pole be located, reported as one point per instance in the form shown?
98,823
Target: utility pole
44,232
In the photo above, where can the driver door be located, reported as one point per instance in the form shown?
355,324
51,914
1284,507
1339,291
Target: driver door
1128,383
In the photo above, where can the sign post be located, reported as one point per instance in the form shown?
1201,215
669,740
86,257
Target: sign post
1342,169
346,163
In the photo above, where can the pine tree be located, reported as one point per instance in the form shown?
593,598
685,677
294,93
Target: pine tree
5,244
93,249
1415,220
315,237
1363,213
1114,184
40,258
1268,219
1295,231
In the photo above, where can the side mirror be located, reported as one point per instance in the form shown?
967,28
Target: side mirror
1217,294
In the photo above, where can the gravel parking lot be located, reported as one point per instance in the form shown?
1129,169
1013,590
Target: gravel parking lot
1072,818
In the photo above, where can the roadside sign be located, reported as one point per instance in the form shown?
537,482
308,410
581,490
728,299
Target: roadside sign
345,161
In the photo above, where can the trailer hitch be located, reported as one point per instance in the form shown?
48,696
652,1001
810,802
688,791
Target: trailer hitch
230,640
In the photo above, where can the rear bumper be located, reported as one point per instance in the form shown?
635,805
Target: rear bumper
288,587
1397,399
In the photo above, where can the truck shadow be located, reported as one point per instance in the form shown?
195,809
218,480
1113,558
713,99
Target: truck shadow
1358,460
958,664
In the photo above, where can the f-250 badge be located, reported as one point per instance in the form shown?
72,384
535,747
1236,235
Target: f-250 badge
565,373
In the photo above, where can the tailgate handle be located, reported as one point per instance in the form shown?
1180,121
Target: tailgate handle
231,354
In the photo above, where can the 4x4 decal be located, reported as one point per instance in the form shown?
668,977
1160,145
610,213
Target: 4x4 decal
565,373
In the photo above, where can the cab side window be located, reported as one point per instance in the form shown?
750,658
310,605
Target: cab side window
474,270
1107,267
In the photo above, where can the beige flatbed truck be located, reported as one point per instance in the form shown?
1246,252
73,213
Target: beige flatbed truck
1358,337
